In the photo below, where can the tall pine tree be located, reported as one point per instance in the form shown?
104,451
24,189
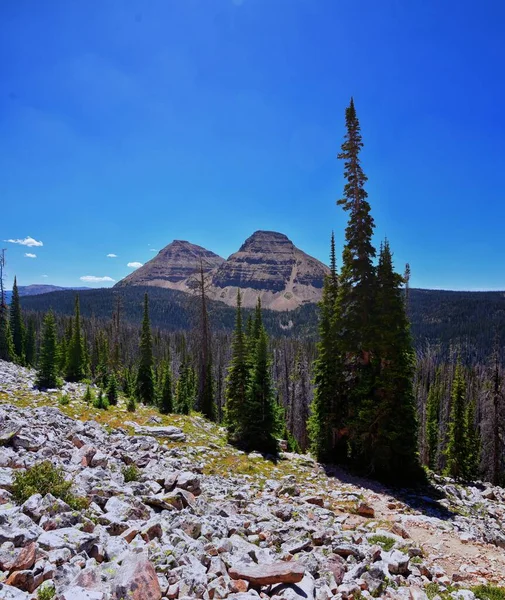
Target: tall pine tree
6,346
166,401
237,380
356,326
76,357
17,325
261,412
456,450
47,374
327,414
145,374
433,421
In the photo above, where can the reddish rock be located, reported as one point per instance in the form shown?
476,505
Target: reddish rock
365,510
280,572
239,585
314,500
130,533
136,580
25,559
23,580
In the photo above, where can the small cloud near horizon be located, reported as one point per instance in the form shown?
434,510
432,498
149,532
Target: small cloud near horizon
27,241
134,265
95,279
111,255
45,276
30,255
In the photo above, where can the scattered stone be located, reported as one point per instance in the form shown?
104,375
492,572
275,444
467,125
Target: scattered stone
258,575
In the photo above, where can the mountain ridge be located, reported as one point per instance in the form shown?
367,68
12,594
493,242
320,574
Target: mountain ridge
267,266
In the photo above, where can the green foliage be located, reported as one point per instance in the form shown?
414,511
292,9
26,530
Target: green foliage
17,326
328,406
64,400
89,396
489,592
432,421
385,433
145,376
131,473
46,592
237,380
6,346
382,540
44,478
131,406
47,373
76,352
30,344
185,392
166,401
112,389
101,402
457,449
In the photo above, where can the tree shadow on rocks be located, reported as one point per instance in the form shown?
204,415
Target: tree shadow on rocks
425,497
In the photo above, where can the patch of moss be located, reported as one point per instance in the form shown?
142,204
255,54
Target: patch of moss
382,540
489,592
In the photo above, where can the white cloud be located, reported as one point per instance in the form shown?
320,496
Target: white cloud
153,250
134,265
28,241
30,255
45,276
111,255
95,279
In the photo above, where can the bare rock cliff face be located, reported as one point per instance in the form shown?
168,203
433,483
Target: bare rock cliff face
173,266
269,266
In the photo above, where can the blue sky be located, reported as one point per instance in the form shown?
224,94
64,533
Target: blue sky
127,124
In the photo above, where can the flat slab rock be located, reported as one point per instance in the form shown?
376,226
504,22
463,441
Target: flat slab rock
279,572
169,431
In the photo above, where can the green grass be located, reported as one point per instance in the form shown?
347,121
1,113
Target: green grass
382,540
46,592
131,473
489,592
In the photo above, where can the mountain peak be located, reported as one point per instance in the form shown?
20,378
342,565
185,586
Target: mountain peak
173,266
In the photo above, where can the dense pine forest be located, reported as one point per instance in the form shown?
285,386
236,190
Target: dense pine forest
349,380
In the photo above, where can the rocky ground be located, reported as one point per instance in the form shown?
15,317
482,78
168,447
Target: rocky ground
203,520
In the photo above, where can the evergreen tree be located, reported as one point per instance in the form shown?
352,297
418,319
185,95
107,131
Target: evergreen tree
473,444
260,421
433,422
357,288
456,450
145,375
206,403
237,380
30,344
47,374
386,427
166,402
262,415
357,298
112,389
17,325
76,358
326,410
6,346
185,393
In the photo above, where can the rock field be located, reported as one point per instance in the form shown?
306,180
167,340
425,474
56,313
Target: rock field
203,520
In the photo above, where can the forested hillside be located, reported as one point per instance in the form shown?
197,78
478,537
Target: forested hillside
452,321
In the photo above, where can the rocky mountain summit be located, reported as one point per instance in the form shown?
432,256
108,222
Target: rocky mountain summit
174,267
268,265
172,512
